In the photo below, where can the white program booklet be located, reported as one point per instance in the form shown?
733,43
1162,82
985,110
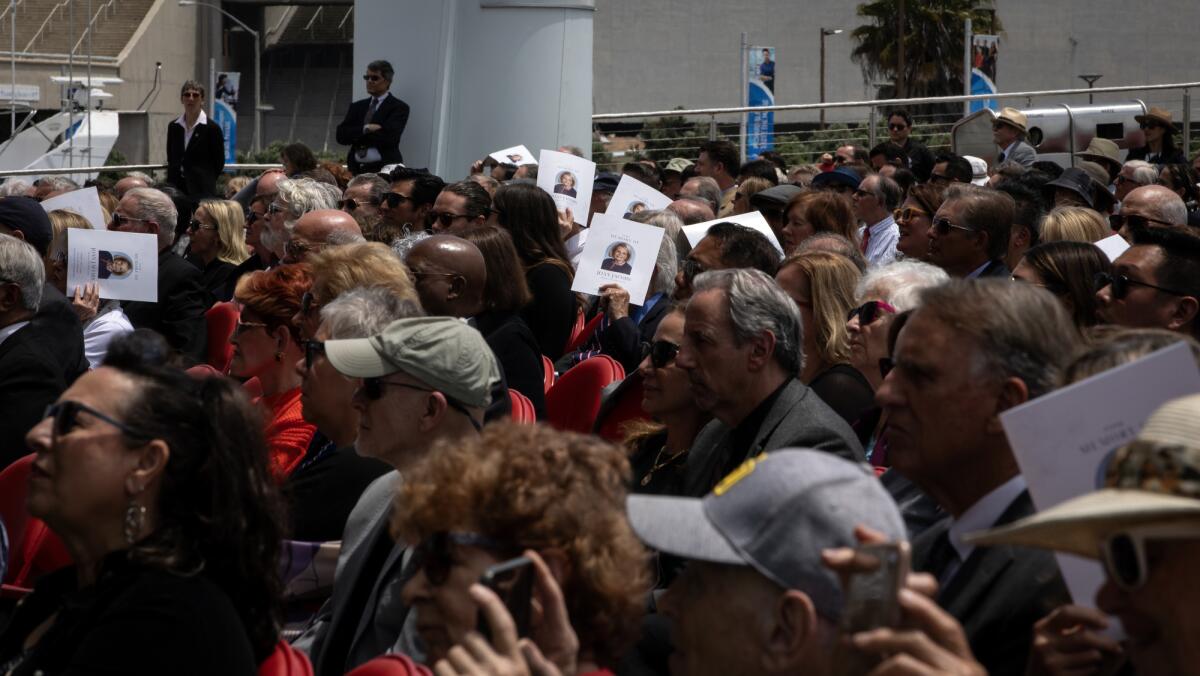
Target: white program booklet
124,263
568,179
518,155
85,202
1113,246
753,219
618,252
632,196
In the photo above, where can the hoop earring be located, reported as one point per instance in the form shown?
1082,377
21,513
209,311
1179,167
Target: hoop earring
135,520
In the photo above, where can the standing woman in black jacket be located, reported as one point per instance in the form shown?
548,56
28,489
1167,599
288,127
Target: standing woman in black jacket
529,215
195,146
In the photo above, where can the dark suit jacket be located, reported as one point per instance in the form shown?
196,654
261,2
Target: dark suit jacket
179,313
798,419
998,593
194,170
1175,156
58,329
517,352
30,379
391,115
996,268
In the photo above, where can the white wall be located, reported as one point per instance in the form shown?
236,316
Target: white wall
481,75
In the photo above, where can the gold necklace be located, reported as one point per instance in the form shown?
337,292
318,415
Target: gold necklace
657,465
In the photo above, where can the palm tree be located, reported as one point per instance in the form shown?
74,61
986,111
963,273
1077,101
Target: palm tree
933,43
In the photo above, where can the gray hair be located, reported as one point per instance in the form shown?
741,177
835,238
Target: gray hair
757,304
155,205
21,265
365,311
1167,206
142,176
58,183
1143,172
376,182
302,195
900,284
834,243
665,268
888,192
707,190
13,186
402,245
671,222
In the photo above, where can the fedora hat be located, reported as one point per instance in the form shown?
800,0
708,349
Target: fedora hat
1159,115
1013,117
1101,150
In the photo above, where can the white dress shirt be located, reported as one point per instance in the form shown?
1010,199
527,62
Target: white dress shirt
575,247
11,329
981,516
109,323
881,245
187,131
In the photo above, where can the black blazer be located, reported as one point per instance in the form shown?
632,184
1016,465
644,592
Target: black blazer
194,170
998,593
391,115
517,352
995,268
1173,156
179,313
30,380
60,332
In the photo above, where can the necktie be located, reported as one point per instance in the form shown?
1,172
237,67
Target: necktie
371,111
1001,159
866,239
942,556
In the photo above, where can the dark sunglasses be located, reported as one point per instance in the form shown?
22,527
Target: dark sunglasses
395,199
1117,221
1150,125
296,250
252,216
373,387
66,418
1124,553
312,348
120,219
943,226
445,217
939,178
308,302
372,78
869,311
434,556
197,225
660,352
351,205
1120,285
191,95
897,127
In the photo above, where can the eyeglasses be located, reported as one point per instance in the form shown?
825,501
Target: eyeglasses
191,95
1135,221
372,78
433,554
445,217
421,273
197,225
897,127
252,216
1124,553
691,268
1150,125
1121,180
308,303
351,205
275,207
395,199
869,311
862,193
66,418
119,219
1120,285
312,348
939,178
943,225
241,327
660,352
907,213
373,387
996,126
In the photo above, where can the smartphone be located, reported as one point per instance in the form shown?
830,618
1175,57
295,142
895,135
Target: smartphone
512,581
872,600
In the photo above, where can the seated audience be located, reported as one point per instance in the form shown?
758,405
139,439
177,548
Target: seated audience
1155,283
362,199
157,485
338,269
726,245
1074,224
266,346
1027,220
1148,205
293,199
318,229
831,242
822,285
747,189
1068,270
875,203
771,203
1134,174
460,206
217,246
914,218
261,256
816,211
407,205
706,190
970,232
741,349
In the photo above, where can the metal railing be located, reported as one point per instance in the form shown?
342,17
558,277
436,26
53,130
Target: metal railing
104,9
122,168
58,8
858,130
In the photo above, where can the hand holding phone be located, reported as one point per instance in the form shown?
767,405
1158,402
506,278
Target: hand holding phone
871,600
512,581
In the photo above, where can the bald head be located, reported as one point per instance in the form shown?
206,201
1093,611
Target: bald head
692,211
450,274
129,183
267,182
317,229
1158,203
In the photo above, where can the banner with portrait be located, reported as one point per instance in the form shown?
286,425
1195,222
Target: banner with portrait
225,100
984,50
760,127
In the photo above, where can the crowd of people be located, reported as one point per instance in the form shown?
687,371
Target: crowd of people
795,409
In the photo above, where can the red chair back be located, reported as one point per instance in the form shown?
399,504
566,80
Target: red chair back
394,664
578,338
575,398
522,407
626,408
220,320
286,661
34,549
547,374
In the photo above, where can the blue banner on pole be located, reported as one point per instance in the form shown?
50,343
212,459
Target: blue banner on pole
225,111
760,127
984,56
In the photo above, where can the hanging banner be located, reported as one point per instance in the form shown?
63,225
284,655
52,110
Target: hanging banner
984,49
225,100
760,127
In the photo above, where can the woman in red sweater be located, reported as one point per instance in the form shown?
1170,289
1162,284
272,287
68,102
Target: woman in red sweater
266,345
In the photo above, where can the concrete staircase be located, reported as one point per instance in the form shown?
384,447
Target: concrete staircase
55,26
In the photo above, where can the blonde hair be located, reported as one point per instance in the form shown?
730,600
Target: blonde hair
231,229
832,279
752,186
338,269
1074,224
60,221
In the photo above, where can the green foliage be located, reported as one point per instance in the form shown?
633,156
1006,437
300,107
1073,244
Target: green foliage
673,136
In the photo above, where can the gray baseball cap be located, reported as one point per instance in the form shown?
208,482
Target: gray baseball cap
775,513
442,352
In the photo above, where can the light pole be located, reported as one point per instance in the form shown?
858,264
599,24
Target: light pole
824,33
1091,80
257,66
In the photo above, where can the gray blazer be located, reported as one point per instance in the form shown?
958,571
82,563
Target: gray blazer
1022,153
378,625
797,419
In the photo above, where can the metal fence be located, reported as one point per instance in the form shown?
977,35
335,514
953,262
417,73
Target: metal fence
799,137
120,168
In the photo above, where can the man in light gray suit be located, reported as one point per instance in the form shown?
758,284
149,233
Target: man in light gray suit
424,379
741,349
1008,133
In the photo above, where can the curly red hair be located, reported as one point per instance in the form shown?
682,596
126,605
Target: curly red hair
538,488
275,294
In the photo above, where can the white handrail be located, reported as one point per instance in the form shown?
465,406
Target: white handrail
104,7
37,34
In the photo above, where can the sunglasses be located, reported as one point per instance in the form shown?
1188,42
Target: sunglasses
275,207
1120,285
120,219
372,78
660,352
939,178
942,226
66,418
1124,553
197,225
351,205
434,557
312,348
395,199
869,311
373,387
252,216
308,303
191,95
445,217
897,127
1150,125
1134,221
907,214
